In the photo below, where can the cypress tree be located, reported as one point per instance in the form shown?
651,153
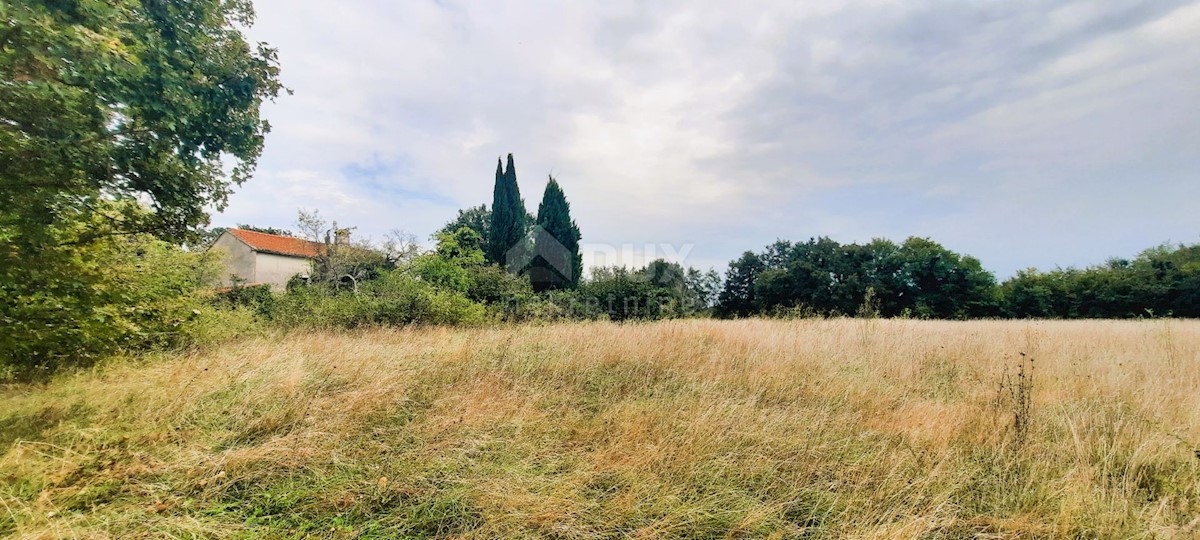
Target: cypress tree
557,263
495,248
508,214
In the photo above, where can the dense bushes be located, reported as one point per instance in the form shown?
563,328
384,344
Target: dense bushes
120,121
76,303
451,285
393,299
255,297
1162,281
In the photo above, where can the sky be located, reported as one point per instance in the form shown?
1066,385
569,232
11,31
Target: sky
1026,133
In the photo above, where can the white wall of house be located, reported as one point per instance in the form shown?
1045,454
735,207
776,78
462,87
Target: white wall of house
278,269
237,257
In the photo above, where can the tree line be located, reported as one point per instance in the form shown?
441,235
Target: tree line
921,278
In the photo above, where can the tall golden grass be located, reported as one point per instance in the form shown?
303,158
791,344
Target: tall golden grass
682,429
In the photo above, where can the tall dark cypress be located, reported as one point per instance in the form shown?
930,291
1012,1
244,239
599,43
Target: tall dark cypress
557,263
508,214
519,227
495,247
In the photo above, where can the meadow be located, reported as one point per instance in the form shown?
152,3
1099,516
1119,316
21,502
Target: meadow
842,428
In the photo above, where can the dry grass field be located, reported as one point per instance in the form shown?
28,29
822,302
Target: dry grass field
685,429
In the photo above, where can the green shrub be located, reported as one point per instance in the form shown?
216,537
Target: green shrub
624,294
90,300
393,299
256,297
491,284
554,305
442,273
212,325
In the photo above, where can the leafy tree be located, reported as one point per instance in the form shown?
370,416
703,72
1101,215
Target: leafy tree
705,287
266,230
103,104
557,263
476,218
882,272
126,99
823,277
463,247
944,284
737,298
623,294
665,274
450,265
809,278
684,292
508,228
1161,281
206,237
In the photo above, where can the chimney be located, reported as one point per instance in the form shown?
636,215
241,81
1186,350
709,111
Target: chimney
342,236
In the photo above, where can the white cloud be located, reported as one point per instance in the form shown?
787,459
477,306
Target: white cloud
725,125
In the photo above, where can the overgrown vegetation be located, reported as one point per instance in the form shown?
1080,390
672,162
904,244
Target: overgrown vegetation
677,429
121,122
74,305
1161,282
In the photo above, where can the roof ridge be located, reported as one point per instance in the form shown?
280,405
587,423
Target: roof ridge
272,234
277,243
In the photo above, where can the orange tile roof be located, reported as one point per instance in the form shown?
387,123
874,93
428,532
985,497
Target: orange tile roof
280,245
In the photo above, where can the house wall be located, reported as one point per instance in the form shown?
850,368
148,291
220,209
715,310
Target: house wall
278,269
237,258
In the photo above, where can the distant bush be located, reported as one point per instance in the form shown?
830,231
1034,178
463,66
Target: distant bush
550,306
394,298
255,297
623,294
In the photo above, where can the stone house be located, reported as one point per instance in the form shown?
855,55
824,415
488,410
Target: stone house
255,258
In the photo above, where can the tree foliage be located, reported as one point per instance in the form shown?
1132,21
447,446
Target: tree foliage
118,118
1161,281
557,263
624,294
919,278
737,298
145,100
662,289
266,230
508,224
682,292
476,218
115,292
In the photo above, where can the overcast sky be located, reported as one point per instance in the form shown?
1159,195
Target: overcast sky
1026,133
